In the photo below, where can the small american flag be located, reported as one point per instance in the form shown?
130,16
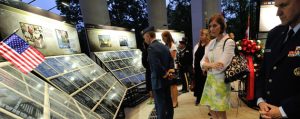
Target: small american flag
18,52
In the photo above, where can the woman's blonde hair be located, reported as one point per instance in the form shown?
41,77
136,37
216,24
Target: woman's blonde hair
170,40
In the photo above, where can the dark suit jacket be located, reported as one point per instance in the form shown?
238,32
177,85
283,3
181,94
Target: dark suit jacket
279,83
160,61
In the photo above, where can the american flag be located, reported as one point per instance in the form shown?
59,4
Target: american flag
20,53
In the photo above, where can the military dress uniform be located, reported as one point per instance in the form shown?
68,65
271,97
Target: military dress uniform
184,60
279,82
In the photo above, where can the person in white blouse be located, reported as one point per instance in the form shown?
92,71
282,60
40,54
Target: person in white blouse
168,40
216,93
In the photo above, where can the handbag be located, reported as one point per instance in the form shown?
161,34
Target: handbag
237,69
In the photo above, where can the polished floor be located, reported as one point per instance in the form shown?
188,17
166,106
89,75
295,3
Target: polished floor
187,109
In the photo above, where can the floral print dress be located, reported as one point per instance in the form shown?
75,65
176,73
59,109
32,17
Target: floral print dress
216,93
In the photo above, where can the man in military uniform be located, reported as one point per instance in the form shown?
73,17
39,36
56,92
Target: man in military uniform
278,88
184,57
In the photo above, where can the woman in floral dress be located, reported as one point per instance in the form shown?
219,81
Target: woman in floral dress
216,93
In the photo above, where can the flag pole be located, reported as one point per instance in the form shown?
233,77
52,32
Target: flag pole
15,31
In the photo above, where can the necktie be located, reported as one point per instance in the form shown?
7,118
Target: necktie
289,36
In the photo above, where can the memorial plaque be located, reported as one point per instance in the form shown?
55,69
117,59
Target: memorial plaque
45,70
64,84
103,112
85,100
56,65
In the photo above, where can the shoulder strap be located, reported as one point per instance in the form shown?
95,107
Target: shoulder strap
225,43
235,48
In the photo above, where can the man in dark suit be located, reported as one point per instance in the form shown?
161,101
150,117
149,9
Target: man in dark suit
161,65
278,88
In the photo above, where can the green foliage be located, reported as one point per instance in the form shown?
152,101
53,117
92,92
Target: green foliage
179,17
236,13
131,14
128,13
71,12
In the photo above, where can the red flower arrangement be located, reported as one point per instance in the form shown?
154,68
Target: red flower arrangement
249,47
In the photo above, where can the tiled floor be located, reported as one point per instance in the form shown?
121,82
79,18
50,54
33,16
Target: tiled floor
187,109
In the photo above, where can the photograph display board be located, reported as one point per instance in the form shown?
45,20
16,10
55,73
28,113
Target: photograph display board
29,97
125,65
84,80
50,36
108,39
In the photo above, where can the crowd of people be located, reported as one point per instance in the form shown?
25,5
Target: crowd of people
276,90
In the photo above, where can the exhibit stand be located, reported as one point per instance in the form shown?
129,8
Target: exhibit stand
85,90
114,49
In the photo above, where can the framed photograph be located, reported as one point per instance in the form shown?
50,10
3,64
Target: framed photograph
95,71
142,77
109,78
85,74
65,60
57,107
120,54
135,70
85,59
56,65
103,84
104,41
92,93
19,105
85,100
134,53
103,112
127,82
113,56
33,35
45,70
99,88
123,41
55,116
102,56
111,65
64,84
120,64
128,62
72,77
114,97
126,72
108,105
127,53
63,39
122,89
134,80
119,74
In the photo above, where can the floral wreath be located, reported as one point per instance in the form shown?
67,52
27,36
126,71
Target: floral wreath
250,47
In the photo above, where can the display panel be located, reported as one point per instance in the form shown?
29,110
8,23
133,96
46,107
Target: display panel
125,65
85,81
25,96
46,70
110,38
50,36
